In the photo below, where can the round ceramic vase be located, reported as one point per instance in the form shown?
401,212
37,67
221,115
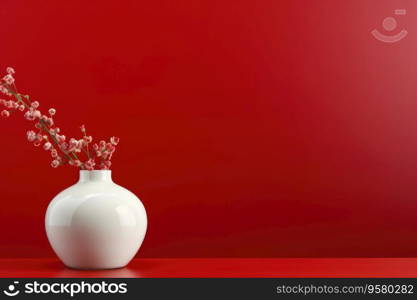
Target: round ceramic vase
95,224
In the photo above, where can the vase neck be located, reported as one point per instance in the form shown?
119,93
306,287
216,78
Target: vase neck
96,175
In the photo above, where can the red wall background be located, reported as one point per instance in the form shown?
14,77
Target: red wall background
248,128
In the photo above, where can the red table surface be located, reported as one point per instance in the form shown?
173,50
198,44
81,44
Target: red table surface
222,267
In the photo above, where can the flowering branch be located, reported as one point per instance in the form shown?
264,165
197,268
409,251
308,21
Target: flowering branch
75,152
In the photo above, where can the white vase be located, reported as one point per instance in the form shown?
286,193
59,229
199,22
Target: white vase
95,224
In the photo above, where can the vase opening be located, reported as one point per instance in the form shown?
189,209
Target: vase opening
95,175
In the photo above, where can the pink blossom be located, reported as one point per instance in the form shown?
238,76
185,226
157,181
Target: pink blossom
35,104
36,114
10,70
55,163
8,79
88,139
31,135
37,143
5,113
82,127
21,107
80,144
114,140
47,146
52,111
89,165
10,104
54,153
60,138
105,154
4,90
29,116
110,147
74,145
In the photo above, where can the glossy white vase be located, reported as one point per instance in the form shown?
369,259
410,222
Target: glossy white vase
95,224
